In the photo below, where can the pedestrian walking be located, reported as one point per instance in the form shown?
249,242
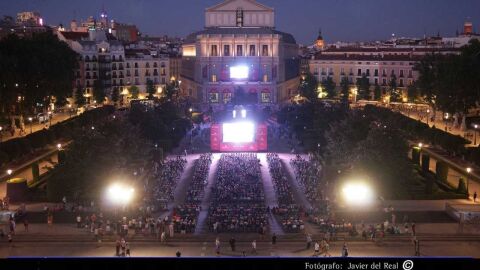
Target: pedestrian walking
309,241
475,197
79,221
316,249
232,243
413,228
127,249
327,250
25,224
117,248
163,237
170,230
274,239
344,250
217,246
123,246
254,247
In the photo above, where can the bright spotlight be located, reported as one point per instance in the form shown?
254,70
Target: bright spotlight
239,72
357,194
241,132
244,113
120,194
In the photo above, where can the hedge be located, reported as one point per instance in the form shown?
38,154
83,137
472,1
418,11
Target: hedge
441,171
416,155
18,147
462,188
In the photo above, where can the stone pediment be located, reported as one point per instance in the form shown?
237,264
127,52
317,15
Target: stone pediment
232,5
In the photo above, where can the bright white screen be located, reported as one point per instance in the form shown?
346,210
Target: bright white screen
239,72
241,132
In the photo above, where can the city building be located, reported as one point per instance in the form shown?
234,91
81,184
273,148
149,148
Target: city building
379,65
239,51
31,18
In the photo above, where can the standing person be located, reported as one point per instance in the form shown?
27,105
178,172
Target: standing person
162,237
127,249
25,224
170,229
475,197
232,243
9,236
327,249
123,246
274,239
344,250
178,254
254,247
417,247
117,248
217,246
316,249
413,228
79,221
406,228
309,241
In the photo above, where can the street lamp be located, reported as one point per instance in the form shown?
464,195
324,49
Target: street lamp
1,133
357,194
120,194
59,146
420,145
469,170
9,172
30,119
69,110
475,140
428,115
50,118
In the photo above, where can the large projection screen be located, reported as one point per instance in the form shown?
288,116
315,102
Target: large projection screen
241,132
238,72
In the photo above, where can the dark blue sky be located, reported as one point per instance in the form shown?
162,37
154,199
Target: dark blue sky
346,20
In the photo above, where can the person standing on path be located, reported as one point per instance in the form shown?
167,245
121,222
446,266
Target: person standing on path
309,241
217,246
274,239
127,249
316,249
254,247
475,197
232,243
344,250
413,229
170,229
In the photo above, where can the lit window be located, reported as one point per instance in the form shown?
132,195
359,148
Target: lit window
265,97
214,97
227,97
214,78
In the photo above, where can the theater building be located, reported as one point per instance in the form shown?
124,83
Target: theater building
239,54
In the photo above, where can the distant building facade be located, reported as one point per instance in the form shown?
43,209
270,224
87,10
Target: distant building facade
239,51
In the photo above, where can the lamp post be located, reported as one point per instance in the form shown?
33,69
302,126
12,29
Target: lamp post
1,133
475,140
9,172
428,116
50,118
469,170
69,110
31,129
446,119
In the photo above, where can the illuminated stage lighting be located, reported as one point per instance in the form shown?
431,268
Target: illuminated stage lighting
241,132
239,72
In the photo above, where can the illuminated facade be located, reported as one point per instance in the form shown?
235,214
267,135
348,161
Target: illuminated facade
239,52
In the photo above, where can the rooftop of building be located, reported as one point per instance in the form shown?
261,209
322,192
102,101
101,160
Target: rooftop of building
358,57
286,37
70,35
387,49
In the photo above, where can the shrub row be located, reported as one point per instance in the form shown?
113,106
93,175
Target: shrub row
18,147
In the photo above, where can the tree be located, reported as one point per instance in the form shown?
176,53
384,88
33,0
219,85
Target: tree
395,95
79,97
377,92
99,91
412,93
115,94
345,86
363,85
329,86
171,89
35,172
150,89
308,87
134,91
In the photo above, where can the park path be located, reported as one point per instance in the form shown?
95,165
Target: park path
202,217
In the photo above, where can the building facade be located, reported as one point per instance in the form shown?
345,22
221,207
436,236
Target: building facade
380,66
239,51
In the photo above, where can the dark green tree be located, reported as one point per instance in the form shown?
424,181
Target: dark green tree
99,91
150,89
363,86
115,95
345,88
308,87
377,92
395,94
329,86
134,91
412,93
80,99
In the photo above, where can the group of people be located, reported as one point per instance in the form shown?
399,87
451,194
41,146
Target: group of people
308,175
159,190
4,203
238,203
289,212
185,216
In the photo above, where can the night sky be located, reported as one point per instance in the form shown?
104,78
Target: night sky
345,20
